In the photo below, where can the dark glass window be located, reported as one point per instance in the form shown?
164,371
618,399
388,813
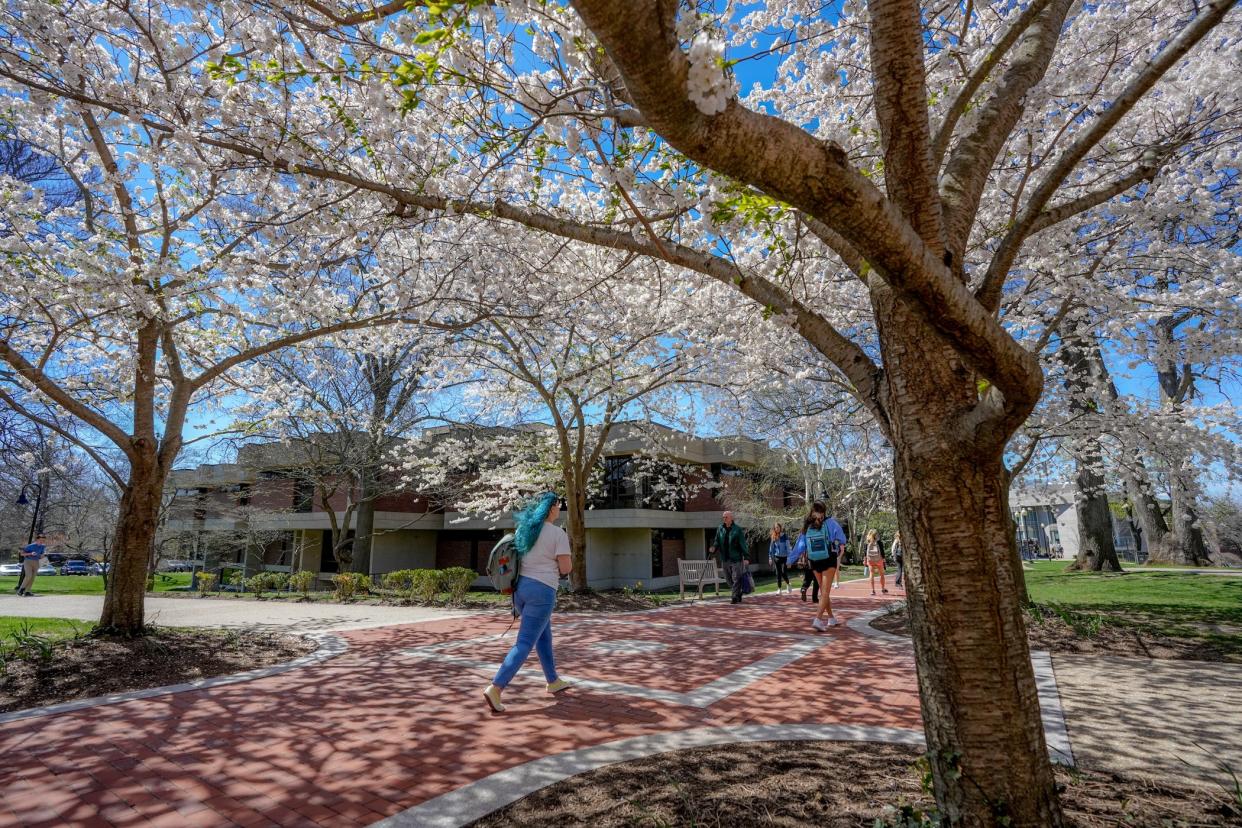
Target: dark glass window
303,496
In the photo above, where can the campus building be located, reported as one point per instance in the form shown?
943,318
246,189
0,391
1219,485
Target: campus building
1045,519
259,513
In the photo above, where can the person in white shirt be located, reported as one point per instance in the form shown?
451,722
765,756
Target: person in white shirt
543,549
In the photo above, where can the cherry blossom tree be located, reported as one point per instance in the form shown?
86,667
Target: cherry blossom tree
892,180
597,341
124,307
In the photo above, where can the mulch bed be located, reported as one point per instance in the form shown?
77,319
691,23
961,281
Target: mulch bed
832,784
1066,631
85,667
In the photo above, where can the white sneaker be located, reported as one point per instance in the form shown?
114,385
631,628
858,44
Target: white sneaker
832,621
836,586
817,624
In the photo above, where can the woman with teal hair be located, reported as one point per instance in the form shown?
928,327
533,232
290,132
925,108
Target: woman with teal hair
543,549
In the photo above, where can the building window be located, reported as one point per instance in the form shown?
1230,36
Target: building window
667,545
303,496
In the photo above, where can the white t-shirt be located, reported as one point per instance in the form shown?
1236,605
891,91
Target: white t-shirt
539,563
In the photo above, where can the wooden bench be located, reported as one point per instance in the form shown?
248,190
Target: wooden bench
698,573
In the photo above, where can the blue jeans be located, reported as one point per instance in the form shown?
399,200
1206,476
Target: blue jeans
534,602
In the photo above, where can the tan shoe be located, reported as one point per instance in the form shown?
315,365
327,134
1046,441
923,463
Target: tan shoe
558,685
492,694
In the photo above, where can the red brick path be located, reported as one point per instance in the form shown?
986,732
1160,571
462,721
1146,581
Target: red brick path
372,732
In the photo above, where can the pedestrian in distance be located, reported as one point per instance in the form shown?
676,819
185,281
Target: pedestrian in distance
32,556
875,560
824,539
899,558
778,557
543,551
731,549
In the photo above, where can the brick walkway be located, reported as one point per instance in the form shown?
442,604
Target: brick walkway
399,719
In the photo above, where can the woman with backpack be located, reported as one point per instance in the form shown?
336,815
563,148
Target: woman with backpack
544,558
823,540
778,556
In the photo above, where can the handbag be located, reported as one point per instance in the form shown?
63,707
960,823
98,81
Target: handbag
748,585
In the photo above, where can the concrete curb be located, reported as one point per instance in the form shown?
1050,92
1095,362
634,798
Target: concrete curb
478,799
330,645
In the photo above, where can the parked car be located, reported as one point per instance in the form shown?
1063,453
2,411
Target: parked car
77,568
11,569
46,569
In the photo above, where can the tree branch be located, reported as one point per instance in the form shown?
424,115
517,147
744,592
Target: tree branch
901,109
62,398
63,432
966,174
964,96
1151,73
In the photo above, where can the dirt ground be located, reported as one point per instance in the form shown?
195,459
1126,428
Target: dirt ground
86,667
830,784
1094,634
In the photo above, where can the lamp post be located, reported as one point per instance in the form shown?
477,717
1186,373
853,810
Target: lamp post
22,500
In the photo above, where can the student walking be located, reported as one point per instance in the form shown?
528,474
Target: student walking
875,560
898,558
31,556
797,558
823,539
543,552
778,556
731,549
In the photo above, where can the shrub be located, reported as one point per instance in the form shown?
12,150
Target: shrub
237,579
400,581
349,584
302,581
206,582
456,581
424,584
258,584
278,581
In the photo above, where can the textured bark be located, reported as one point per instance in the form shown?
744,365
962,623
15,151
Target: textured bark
976,684
575,527
1096,550
1185,545
364,535
1153,530
1176,386
135,534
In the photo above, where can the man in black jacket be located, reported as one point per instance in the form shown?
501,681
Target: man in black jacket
731,550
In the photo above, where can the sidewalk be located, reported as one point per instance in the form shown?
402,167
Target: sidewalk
394,729
277,616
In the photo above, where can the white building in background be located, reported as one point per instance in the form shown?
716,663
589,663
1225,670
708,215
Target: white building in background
1045,517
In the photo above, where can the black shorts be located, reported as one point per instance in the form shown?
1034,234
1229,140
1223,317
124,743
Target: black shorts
824,565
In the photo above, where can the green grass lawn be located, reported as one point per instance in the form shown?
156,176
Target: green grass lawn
90,584
13,629
1204,607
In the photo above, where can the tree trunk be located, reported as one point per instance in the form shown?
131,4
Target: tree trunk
1176,386
135,533
575,527
1084,373
1186,545
1096,550
981,712
364,536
